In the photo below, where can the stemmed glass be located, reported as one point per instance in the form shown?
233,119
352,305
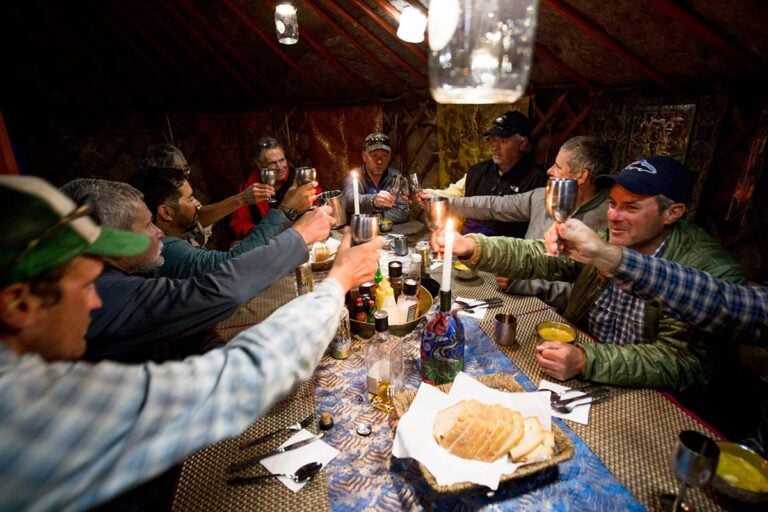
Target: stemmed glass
269,177
305,175
693,460
398,186
414,183
560,199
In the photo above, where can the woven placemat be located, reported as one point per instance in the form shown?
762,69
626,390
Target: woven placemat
202,484
502,381
633,433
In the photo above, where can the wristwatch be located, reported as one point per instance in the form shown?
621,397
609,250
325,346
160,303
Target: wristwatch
289,212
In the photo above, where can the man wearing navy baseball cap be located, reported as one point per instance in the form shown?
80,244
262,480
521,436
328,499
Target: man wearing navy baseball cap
510,170
638,344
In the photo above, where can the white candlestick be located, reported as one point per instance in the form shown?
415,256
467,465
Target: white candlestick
447,256
356,193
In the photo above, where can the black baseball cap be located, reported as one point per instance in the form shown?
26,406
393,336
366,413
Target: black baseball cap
508,124
653,175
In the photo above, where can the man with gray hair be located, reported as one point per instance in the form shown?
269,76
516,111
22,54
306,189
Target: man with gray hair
74,435
140,311
583,158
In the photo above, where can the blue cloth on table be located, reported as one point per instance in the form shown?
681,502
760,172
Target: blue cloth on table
581,483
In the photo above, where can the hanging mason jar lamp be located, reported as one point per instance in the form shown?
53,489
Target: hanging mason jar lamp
481,50
286,23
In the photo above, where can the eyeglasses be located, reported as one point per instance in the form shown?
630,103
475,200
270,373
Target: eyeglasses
81,211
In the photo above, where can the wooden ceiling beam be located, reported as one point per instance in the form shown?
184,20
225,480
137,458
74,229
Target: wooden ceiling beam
204,42
270,43
171,30
544,53
138,28
598,34
702,29
256,74
339,66
419,54
337,11
352,40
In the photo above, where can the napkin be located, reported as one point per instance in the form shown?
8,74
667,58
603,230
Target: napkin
579,414
414,431
477,313
288,462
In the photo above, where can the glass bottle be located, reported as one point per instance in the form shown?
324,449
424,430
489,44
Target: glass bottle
408,302
384,365
396,277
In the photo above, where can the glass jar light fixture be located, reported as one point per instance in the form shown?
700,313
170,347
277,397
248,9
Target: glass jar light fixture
480,50
412,25
286,23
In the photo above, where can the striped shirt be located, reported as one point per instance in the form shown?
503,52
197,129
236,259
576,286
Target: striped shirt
694,296
74,434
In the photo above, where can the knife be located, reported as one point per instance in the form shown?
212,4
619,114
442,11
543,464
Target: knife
252,461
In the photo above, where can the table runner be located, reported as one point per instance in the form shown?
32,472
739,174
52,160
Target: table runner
387,483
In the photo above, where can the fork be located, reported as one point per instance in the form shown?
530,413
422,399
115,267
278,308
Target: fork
594,393
295,427
568,408
489,303
556,396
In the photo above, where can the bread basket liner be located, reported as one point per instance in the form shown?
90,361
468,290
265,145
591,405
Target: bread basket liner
564,448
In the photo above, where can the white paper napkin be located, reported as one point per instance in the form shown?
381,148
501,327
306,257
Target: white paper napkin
477,313
288,462
414,437
579,414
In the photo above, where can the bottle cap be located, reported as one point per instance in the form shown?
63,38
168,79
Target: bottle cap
410,287
395,269
326,422
365,288
382,321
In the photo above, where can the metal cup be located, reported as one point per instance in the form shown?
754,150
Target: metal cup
365,227
305,175
505,329
436,209
399,244
335,199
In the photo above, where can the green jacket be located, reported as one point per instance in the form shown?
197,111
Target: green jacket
678,357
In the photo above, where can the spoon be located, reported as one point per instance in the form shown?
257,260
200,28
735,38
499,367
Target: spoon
466,306
303,474
593,393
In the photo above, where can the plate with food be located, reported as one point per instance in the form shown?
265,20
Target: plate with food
322,254
486,433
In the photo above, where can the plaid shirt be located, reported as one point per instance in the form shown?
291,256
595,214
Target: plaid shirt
694,296
618,317
73,434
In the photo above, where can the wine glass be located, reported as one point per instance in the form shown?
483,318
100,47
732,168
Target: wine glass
693,460
269,177
560,199
414,183
397,186
305,175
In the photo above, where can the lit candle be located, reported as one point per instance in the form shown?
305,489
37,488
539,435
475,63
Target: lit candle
447,256
356,193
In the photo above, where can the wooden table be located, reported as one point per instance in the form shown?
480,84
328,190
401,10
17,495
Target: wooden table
632,434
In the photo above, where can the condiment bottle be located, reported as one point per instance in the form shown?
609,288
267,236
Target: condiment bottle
396,277
342,340
408,302
414,270
360,312
384,364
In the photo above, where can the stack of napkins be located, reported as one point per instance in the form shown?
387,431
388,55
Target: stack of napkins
579,414
288,462
414,437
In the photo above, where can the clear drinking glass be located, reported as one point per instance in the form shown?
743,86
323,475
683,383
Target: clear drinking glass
269,177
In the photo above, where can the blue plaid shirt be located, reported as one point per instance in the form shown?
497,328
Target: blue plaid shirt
73,434
618,317
694,296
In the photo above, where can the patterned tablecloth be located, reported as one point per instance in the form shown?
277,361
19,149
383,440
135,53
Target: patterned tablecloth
621,460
